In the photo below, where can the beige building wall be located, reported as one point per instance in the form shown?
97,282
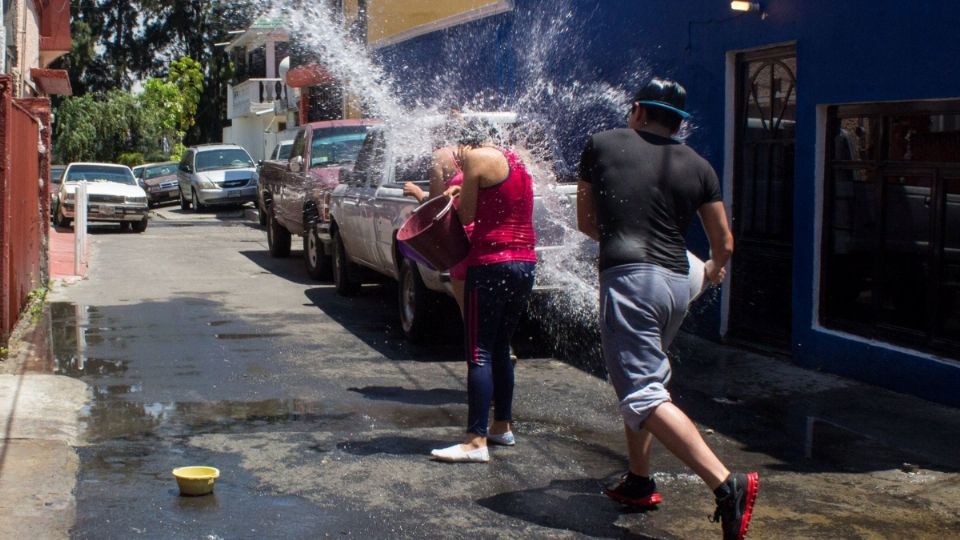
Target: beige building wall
23,30
393,21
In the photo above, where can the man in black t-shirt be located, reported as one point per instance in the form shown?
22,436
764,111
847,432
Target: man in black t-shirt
637,194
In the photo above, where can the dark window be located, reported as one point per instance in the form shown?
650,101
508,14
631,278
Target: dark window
299,144
370,159
891,249
257,63
325,102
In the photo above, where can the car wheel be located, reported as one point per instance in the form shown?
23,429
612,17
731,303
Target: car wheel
343,280
195,201
417,303
184,203
59,220
278,238
319,265
124,226
139,226
262,215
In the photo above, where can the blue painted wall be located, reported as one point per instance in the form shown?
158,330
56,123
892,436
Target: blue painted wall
847,52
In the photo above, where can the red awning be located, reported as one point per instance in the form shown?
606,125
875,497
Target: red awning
52,81
308,75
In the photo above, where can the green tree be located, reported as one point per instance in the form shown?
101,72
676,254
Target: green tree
75,131
187,78
117,42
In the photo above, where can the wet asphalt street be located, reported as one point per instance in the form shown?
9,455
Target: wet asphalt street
200,349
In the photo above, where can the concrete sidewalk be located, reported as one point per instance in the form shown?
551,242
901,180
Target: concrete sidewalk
39,420
39,430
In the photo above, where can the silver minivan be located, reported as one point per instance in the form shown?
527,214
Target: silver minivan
216,174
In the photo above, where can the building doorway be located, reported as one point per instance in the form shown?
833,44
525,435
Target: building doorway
761,279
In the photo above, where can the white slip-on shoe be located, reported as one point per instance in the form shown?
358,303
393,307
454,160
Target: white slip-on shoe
503,439
456,454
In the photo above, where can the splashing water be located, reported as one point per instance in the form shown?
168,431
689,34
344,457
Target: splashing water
545,41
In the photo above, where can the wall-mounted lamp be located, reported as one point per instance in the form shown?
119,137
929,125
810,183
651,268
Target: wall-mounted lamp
747,7
740,5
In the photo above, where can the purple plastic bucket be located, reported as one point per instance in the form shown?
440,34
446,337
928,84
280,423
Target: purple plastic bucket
433,231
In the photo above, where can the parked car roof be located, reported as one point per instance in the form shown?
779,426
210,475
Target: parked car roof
343,123
215,146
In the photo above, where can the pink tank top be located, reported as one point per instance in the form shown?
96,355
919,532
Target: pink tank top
503,226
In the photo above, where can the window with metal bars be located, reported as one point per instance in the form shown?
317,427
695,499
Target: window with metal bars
891,237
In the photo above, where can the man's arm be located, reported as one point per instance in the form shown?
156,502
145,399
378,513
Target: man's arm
586,211
714,219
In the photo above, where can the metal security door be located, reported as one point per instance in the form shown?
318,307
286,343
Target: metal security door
761,277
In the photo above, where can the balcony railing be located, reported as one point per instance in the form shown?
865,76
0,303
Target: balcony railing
254,96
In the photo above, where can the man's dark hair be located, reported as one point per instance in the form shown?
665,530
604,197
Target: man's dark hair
664,101
664,118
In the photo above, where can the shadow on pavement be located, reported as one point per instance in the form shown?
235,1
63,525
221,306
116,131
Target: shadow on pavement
394,446
561,505
433,396
372,316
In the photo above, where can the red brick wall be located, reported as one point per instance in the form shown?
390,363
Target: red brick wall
23,202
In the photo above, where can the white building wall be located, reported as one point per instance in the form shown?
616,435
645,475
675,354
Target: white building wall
257,134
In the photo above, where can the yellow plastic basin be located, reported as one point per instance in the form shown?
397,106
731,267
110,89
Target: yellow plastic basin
196,480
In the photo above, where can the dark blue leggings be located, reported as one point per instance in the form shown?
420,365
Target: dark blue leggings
495,297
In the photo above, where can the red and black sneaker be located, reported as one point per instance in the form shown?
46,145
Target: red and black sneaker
639,491
735,499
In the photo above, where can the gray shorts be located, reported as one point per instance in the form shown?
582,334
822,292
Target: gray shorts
641,309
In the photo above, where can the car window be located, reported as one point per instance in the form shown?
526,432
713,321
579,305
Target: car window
299,143
159,170
414,169
186,161
336,146
283,151
371,156
223,158
56,173
100,173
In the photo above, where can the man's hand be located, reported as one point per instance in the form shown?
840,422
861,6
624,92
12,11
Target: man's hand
713,273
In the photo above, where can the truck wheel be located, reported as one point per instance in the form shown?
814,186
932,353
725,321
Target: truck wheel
139,226
319,265
278,238
262,215
417,303
343,280
184,203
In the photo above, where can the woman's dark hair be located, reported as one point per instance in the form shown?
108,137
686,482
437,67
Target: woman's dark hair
474,132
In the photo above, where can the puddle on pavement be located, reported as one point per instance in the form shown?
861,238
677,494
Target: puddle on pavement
111,418
247,336
93,344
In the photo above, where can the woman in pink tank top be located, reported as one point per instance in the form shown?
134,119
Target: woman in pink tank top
496,198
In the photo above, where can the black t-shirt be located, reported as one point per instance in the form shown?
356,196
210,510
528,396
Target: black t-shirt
646,189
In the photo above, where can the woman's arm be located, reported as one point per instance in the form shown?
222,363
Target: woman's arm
473,164
442,169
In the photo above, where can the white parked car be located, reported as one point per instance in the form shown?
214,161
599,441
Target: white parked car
112,194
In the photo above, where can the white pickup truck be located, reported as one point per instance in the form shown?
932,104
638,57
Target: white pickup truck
368,207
